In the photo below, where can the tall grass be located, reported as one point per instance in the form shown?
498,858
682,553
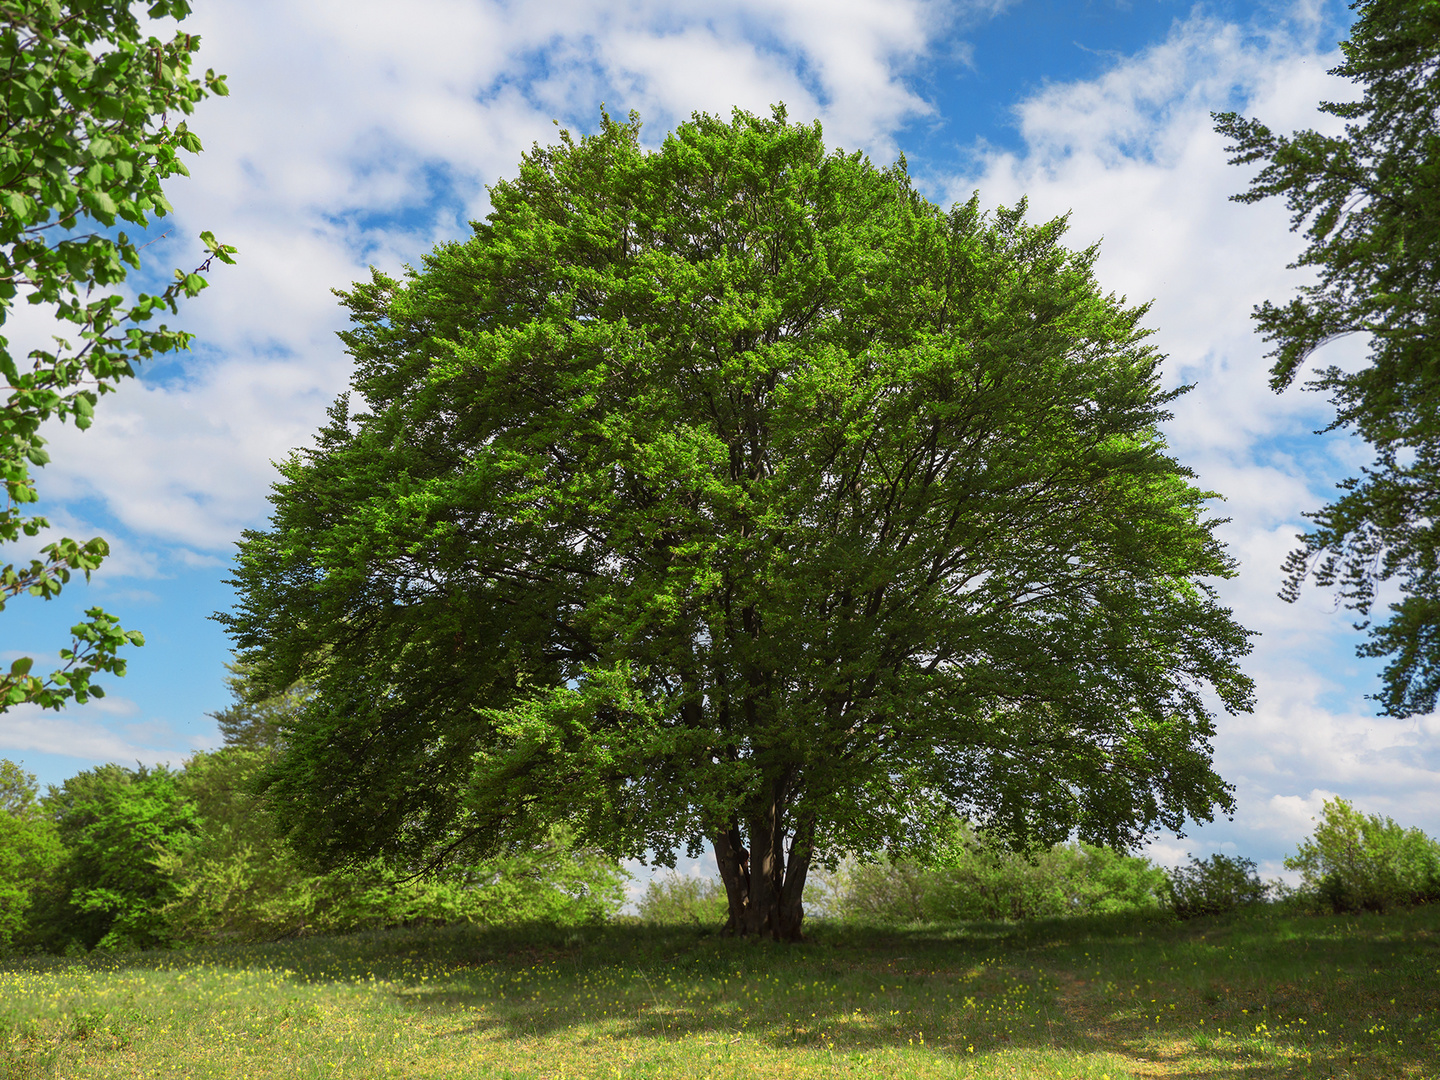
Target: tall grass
1261,993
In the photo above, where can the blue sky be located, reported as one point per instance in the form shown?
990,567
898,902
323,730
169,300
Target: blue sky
354,137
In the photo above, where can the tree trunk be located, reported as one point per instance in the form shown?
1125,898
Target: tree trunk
763,887
734,863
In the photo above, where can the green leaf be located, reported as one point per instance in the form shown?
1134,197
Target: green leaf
100,202
17,205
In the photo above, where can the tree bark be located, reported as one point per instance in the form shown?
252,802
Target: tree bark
734,863
792,913
763,888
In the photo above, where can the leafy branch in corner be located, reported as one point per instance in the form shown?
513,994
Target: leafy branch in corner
85,142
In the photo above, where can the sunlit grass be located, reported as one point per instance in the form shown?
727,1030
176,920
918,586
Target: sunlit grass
1249,996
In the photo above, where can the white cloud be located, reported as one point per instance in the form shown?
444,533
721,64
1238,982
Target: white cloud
1299,812
89,734
353,136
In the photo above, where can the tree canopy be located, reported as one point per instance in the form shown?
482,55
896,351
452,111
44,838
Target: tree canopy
732,492
1369,203
85,141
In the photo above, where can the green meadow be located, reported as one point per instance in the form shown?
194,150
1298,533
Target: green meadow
1261,993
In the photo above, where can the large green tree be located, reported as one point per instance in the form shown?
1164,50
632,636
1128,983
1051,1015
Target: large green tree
86,138
734,493
1369,203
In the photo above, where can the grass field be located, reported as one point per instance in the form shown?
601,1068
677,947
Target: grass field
1254,995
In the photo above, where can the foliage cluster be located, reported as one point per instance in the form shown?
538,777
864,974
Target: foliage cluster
112,822
118,858
1353,862
30,852
237,877
1360,862
974,877
86,140
1214,886
681,900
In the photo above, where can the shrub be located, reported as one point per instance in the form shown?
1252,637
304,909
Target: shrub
983,880
885,892
1356,862
237,878
107,892
1102,881
675,898
974,877
1214,886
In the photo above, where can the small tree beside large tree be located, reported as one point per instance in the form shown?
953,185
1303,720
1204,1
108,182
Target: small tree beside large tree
1368,201
734,493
